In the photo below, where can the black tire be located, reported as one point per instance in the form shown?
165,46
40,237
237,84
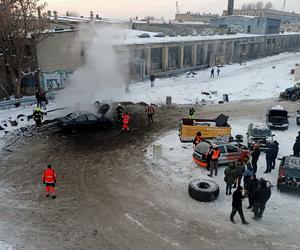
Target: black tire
294,97
204,190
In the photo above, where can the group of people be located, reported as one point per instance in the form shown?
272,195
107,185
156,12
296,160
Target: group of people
124,118
257,191
212,72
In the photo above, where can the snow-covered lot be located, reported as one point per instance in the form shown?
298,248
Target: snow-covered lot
281,219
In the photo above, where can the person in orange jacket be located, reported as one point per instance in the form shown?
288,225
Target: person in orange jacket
213,157
125,119
49,178
198,138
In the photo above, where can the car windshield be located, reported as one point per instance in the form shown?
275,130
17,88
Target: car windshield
71,116
278,113
294,173
260,132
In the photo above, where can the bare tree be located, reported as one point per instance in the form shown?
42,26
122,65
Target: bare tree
259,5
269,6
21,26
249,6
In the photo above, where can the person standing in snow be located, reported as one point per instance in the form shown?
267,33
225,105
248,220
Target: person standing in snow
213,157
212,73
192,113
296,148
38,99
240,168
218,71
230,176
271,156
255,156
247,174
251,189
237,206
261,195
152,79
38,116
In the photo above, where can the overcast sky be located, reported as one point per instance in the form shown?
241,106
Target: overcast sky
157,8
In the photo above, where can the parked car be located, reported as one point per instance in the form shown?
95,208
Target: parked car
229,153
144,35
292,94
259,133
289,174
83,121
159,34
277,117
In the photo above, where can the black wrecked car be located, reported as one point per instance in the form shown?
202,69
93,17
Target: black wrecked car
289,174
292,94
277,118
83,120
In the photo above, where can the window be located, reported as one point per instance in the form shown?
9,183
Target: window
231,149
249,29
222,149
81,118
91,118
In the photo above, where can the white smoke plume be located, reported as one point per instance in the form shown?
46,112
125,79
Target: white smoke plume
103,75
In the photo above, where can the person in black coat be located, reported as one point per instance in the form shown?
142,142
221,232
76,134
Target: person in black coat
261,195
271,156
255,156
251,189
237,198
296,148
152,79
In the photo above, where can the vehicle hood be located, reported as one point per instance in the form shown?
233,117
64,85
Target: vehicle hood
103,109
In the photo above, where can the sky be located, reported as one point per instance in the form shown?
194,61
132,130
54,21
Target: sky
157,8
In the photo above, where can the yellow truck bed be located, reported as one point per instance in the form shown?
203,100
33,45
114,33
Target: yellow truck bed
188,129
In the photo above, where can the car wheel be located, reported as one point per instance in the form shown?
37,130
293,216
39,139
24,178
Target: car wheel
204,190
294,97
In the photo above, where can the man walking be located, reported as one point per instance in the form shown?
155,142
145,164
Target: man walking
255,156
218,71
152,79
49,179
261,195
150,112
212,73
213,156
271,156
237,198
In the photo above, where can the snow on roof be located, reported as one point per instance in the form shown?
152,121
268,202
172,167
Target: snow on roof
277,107
260,125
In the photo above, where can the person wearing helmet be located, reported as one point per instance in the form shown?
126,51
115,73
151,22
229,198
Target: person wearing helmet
38,116
119,111
255,156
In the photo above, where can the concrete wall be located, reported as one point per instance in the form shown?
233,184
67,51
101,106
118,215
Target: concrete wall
58,58
251,25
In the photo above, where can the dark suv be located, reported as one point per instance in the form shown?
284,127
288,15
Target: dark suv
259,133
289,174
277,118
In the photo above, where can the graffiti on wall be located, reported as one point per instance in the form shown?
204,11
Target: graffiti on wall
55,80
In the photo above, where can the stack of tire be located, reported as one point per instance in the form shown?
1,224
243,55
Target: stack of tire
204,190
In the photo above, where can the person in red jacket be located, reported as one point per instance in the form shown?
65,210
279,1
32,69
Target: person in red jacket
125,119
150,112
49,178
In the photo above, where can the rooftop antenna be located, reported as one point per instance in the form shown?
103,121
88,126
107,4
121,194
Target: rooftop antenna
177,8
284,3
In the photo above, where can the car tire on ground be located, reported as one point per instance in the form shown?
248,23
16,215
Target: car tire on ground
294,97
204,190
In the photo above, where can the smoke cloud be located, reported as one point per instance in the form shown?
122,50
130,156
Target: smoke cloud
103,75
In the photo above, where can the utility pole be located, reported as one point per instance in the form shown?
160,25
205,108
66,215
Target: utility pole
284,3
177,8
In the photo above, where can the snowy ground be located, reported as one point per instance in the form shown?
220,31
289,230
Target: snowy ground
282,212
